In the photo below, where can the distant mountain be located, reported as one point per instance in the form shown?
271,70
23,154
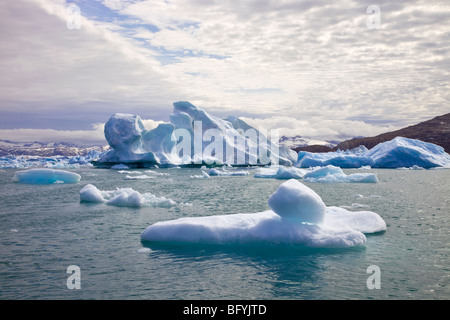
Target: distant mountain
302,142
42,149
436,130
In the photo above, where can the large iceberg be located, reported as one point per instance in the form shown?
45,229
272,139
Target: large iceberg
298,216
46,176
404,152
399,152
192,137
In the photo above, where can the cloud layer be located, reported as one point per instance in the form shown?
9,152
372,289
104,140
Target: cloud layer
313,68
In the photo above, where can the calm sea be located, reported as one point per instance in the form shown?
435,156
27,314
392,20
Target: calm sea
44,229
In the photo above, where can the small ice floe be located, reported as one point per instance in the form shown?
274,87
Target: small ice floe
123,197
46,176
297,216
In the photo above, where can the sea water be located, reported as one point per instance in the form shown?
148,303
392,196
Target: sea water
45,230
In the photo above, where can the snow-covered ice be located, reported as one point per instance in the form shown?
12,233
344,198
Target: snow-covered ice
46,176
123,197
295,201
301,218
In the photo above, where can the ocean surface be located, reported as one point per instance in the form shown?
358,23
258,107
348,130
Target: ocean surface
44,229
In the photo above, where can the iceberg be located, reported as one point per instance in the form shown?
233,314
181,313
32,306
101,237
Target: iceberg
46,176
405,152
335,174
123,197
192,137
396,153
298,217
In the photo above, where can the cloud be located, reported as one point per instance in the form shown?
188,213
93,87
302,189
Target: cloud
95,136
306,67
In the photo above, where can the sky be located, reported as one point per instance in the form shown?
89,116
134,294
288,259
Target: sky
322,69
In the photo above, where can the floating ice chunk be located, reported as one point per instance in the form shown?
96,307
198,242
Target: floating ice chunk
269,172
126,197
281,172
157,173
338,227
89,193
123,197
290,173
294,200
267,227
356,205
46,176
120,167
321,172
204,175
140,177
331,174
218,172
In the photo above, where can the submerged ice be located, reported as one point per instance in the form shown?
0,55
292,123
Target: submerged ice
298,216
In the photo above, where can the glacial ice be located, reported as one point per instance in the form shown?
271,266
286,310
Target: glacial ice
123,197
396,153
46,176
298,216
332,173
192,136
